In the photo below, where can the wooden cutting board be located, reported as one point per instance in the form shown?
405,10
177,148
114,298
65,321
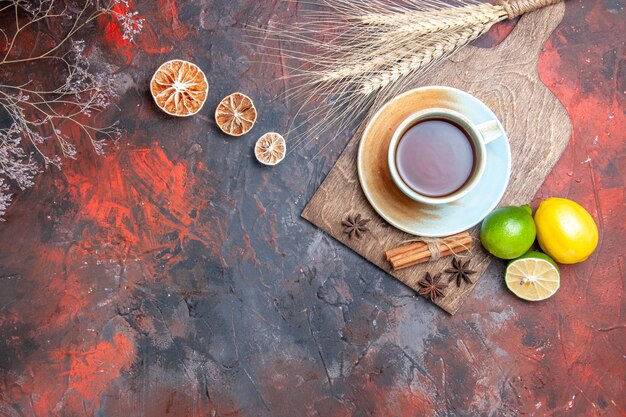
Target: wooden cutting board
506,79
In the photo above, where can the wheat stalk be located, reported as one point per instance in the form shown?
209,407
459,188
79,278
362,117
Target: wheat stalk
349,56
437,21
421,60
479,18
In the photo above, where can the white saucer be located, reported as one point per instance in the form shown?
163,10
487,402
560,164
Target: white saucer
406,214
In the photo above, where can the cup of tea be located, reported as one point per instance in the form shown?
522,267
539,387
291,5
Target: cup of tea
437,156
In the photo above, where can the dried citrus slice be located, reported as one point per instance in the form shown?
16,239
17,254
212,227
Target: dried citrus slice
236,114
179,88
270,149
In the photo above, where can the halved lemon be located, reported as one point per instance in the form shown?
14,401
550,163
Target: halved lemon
533,276
179,88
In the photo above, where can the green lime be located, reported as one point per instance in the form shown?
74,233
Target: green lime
536,254
508,232
533,276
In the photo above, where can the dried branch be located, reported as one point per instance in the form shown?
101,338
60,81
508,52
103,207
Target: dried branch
39,123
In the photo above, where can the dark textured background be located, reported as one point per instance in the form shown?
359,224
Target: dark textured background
174,277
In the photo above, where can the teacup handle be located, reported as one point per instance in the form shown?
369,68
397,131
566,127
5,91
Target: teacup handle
489,131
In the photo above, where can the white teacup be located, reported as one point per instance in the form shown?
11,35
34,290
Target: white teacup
479,135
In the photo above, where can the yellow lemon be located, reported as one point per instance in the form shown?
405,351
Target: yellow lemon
565,230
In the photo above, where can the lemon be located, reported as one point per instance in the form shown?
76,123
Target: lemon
533,276
565,230
508,232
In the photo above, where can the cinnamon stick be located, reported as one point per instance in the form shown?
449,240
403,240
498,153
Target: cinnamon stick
415,253
425,256
419,246
415,246
420,253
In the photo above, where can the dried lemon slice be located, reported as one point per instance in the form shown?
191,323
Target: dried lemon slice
236,114
270,149
179,88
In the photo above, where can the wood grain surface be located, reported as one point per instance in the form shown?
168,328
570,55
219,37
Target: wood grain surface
506,79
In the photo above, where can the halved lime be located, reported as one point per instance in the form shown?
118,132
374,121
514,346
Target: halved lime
533,276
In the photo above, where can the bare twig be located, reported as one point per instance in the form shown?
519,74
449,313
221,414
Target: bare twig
36,121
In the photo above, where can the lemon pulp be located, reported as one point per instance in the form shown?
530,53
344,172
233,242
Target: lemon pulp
532,279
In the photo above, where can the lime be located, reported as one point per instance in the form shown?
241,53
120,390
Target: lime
508,232
533,276
565,230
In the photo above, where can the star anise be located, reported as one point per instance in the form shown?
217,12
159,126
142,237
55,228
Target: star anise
460,271
355,225
432,287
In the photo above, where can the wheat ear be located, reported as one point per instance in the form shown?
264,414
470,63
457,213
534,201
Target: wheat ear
350,56
477,21
428,56
437,21
480,17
